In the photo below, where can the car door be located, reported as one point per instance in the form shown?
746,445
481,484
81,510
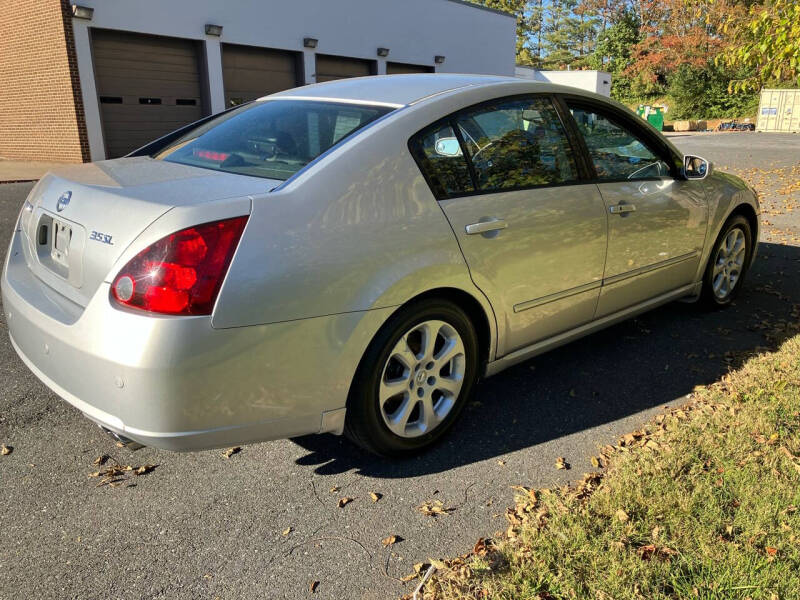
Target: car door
657,219
534,236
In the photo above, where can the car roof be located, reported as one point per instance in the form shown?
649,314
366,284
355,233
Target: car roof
397,90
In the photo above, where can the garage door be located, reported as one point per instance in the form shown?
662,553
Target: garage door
394,68
250,72
341,67
147,86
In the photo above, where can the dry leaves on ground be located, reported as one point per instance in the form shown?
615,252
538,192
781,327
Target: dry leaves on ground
117,474
344,501
231,451
391,540
6,450
434,508
561,463
375,496
312,587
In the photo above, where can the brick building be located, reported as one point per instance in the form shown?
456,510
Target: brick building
99,78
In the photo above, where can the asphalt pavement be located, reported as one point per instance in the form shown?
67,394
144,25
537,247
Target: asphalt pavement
265,523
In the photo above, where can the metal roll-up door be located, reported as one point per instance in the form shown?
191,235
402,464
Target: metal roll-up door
250,72
147,86
395,68
341,67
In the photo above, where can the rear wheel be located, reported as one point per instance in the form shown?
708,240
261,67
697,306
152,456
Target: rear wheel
728,263
414,379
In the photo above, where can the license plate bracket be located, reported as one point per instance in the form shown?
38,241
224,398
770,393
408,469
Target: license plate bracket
61,240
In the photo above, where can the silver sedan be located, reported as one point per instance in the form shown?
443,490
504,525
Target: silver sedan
351,257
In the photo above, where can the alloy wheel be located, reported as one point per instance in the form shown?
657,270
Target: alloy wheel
729,263
422,378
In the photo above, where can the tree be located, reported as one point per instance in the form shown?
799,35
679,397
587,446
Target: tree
560,34
518,9
613,52
768,44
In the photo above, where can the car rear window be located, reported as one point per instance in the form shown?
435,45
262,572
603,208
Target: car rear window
271,138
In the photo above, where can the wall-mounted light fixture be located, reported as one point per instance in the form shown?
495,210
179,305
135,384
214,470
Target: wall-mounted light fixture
213,29
438,59
310,42
82,12
383,52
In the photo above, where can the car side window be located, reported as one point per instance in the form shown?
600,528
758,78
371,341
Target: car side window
616,152
438,153
517,143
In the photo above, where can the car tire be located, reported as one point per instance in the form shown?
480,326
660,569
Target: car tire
727,264
406,393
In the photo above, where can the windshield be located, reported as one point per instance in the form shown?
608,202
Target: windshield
272,138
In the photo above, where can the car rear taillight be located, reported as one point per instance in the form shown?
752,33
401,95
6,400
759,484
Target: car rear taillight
180,274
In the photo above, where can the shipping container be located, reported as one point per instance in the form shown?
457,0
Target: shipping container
779,110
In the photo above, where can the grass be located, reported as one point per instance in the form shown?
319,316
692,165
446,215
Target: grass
703,503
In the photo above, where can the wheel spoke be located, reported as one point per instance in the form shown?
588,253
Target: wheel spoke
427,417
448,385
430,331
452,349
402,353
392,388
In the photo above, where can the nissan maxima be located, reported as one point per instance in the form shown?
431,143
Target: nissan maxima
350,257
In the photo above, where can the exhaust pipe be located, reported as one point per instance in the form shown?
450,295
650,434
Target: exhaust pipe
121,439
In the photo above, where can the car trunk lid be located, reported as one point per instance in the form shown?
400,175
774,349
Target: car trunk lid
79,219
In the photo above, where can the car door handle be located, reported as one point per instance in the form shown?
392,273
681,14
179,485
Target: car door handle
621,209
486,226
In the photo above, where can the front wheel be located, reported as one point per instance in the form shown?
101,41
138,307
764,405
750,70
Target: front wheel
728,263
414,379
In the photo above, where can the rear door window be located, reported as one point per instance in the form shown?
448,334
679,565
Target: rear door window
517,144
438,153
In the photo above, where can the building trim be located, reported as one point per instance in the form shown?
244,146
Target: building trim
75,80
496,11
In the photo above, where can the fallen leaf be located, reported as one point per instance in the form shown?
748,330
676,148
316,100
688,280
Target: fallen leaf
231,451
312,587
409,577
375,496
391,540
6,450
622,515
771,551
334,489
144,469
287,531
344,501
100,460
561,463
434,508
501,463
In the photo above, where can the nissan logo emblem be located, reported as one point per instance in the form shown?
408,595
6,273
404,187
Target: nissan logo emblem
63,201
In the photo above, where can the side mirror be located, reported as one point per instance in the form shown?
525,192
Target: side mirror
695,167
448,146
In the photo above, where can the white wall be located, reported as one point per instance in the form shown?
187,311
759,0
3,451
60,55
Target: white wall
472,39
598,82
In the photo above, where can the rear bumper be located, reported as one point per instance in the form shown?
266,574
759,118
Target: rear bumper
184,441
178,383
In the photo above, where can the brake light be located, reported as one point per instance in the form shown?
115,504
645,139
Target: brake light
180,274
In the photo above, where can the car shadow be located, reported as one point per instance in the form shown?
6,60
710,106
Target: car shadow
653,360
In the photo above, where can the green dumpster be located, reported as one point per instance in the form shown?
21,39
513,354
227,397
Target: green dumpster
656,117
652,114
